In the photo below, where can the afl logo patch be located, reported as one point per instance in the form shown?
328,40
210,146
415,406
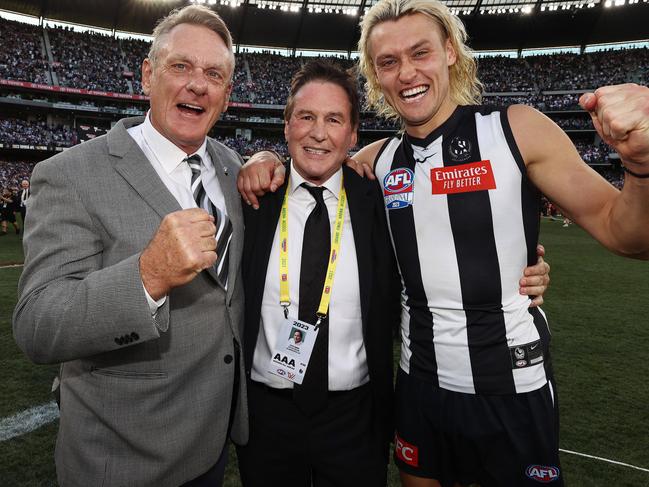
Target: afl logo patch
398,187
542,473
459,149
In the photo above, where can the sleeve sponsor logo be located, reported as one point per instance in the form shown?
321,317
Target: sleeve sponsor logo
406,452
398,187
465,178
542,474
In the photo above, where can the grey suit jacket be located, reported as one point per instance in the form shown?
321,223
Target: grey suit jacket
144,401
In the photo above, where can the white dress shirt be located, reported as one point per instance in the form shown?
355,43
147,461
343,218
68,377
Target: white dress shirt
24,196
169,162
347,355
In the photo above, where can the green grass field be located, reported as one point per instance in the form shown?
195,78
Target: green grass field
598,309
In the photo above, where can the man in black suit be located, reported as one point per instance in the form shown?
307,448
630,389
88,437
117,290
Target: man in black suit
322,236
23,196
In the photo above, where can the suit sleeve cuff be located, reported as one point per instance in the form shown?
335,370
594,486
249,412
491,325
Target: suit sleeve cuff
154,305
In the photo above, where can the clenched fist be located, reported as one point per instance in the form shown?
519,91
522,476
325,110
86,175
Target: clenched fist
183,246
620,115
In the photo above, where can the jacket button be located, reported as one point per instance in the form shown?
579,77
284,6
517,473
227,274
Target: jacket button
227,359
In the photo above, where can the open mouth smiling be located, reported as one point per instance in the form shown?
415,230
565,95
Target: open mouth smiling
412,94
316,151
189,108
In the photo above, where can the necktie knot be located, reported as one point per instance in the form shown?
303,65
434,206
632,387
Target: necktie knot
316,192
194,163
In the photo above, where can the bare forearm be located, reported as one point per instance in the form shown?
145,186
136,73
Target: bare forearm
629,219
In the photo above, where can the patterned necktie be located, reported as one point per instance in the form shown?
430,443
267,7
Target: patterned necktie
222,222
311,395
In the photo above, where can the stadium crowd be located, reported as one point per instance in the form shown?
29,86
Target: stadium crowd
88,60
22,56
36,132
100,62
97,61
13,172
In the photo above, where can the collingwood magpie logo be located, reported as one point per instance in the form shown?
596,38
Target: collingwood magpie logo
460,149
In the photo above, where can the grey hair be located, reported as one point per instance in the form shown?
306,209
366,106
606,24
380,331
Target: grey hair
191,14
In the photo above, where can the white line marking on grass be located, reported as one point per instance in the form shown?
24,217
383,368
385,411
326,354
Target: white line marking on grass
28,420
10,266
604,460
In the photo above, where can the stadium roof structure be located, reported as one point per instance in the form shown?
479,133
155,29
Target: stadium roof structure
333,24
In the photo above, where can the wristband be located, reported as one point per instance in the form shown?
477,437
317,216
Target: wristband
635,174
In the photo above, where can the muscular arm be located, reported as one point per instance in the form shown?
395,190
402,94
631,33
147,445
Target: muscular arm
71,304
618,220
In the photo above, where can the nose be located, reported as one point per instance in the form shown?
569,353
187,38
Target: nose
407,71
197,82
318,130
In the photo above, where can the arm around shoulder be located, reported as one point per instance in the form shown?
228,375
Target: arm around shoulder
367,155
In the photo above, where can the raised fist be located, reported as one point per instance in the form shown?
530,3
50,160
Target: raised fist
182,247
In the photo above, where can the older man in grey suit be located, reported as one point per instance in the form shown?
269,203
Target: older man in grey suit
126,285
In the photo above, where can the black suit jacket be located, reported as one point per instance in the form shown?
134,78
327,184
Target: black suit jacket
380,285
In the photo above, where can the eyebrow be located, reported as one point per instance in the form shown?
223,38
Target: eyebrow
414,47
311,112
188,59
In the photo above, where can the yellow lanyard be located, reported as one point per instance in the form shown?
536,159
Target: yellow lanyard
284,292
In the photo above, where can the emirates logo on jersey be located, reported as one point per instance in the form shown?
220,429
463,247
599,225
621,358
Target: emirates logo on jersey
465,178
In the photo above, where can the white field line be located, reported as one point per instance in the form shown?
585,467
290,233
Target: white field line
607,460
27,421
10,266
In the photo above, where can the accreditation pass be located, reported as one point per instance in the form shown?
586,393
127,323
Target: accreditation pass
292,351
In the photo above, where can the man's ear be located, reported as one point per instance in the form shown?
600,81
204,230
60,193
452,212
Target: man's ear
451,55
147,73
226,102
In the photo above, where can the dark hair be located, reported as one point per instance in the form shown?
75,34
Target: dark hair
328,72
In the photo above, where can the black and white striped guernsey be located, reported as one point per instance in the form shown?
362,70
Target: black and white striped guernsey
464,222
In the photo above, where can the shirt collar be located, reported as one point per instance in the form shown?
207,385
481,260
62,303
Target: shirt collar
168,154
332,184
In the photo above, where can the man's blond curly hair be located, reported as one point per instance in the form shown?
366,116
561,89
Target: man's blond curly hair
465,88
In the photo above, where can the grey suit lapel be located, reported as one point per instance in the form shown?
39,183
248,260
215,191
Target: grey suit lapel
227,168
136,169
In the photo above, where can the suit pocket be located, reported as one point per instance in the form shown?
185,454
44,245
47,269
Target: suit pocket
127,374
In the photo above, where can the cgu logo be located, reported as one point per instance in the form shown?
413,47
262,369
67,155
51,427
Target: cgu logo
398,181
542,473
